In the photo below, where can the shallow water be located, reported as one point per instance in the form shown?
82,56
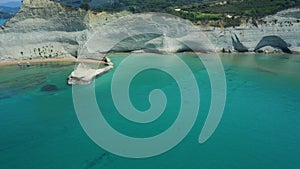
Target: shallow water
2,21
259,129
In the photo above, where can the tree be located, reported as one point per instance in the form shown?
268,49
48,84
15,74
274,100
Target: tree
85,6
132,9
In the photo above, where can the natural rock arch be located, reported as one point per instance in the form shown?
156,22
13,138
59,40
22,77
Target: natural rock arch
273,41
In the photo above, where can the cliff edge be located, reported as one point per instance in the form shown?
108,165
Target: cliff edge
47,29
284,24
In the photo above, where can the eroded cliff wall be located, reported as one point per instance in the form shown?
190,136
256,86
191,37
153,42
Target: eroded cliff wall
284,24
46,29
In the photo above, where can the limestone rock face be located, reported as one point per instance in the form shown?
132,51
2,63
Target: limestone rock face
45,29
284,24
42,28
237,45
158,32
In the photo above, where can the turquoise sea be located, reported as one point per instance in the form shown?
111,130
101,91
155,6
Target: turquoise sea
2,21
259,129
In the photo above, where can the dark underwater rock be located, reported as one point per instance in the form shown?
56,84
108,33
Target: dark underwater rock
49,88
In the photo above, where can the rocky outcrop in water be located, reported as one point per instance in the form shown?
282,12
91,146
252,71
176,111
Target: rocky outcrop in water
84,74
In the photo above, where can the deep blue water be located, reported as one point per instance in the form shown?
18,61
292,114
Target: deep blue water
259,129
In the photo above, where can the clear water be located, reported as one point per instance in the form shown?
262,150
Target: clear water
2,21
259,129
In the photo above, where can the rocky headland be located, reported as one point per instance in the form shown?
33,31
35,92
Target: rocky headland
47,29
284,24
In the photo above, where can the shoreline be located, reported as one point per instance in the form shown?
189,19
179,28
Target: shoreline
32,61
94,61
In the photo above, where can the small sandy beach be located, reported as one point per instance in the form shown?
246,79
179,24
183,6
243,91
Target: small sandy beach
16,62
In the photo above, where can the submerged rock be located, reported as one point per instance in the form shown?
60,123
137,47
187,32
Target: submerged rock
49,88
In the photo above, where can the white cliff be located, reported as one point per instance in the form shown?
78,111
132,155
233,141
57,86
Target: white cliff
285,24
46,29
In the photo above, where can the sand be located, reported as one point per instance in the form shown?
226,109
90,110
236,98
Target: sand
16,62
